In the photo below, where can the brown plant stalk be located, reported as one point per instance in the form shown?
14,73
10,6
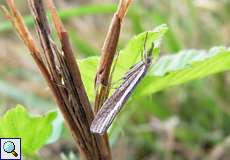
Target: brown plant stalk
103,77
61,72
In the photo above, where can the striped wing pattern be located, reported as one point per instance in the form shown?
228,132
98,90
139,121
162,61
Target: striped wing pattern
113,104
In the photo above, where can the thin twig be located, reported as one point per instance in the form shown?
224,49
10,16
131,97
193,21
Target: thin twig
102,79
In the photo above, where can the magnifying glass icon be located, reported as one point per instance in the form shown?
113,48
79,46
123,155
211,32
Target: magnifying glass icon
9,147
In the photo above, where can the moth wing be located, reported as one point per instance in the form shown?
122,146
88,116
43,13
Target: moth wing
113,105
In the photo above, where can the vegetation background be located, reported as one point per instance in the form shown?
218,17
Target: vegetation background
189,121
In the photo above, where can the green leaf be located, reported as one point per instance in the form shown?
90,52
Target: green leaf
185,66
57,126
168,70
127,57
34,131
88,69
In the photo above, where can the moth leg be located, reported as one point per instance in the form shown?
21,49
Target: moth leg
115,63
112,71
112,84
114,88
117,81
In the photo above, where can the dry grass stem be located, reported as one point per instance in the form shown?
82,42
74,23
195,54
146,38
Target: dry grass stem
60,70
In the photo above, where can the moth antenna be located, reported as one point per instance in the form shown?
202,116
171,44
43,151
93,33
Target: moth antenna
145,52
150,52
142,56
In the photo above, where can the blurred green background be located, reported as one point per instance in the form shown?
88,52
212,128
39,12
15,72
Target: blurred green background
186,122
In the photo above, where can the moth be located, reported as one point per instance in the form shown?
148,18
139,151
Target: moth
116,101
